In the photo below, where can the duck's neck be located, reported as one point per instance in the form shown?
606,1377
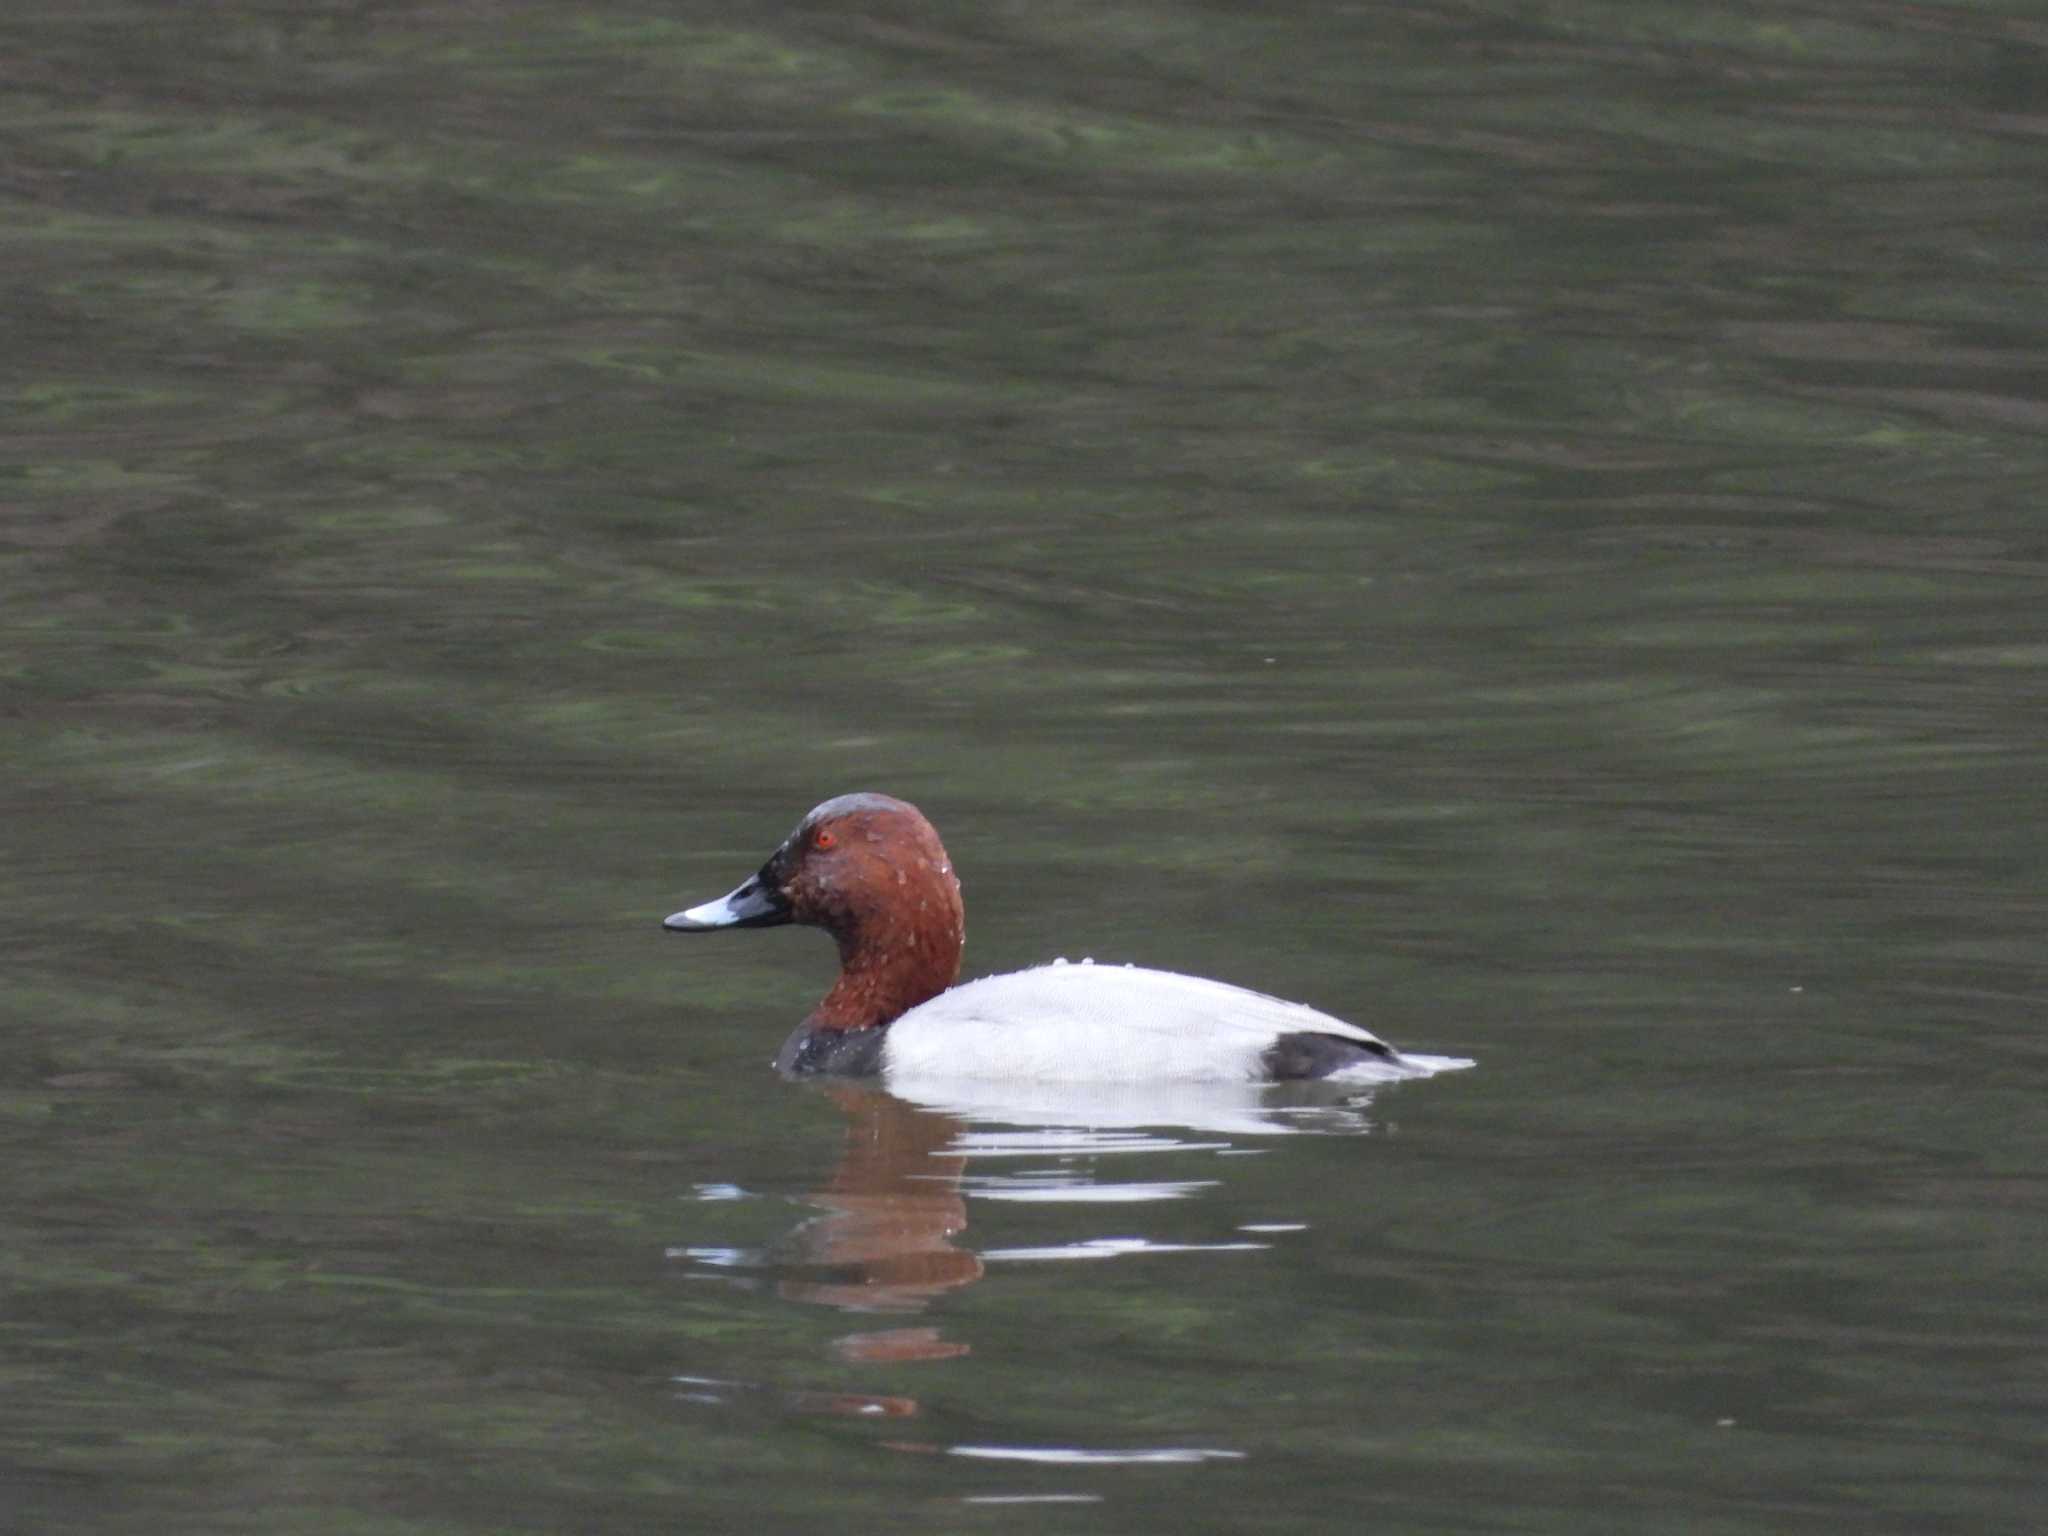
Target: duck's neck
878,984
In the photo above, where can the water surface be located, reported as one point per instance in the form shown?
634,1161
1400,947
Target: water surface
1520,526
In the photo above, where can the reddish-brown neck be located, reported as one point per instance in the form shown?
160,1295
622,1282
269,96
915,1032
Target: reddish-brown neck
875,988
875,877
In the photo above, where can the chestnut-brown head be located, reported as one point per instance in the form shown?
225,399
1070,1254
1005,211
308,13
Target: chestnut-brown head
870,871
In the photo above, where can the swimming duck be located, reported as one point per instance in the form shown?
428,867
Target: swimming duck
870,870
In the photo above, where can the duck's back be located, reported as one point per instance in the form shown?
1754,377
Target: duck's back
1110,1023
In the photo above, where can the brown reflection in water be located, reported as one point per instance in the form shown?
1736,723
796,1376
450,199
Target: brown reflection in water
853,1405
892,1209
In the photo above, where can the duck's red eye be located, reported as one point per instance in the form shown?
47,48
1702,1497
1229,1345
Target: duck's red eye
825,839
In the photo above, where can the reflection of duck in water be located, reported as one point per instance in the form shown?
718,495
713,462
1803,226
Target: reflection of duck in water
893,1212
892,1208
896,1204
885,1241
871,871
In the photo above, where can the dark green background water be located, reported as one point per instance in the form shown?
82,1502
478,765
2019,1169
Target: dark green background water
1520,524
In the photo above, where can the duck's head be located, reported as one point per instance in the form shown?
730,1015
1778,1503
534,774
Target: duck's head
871,871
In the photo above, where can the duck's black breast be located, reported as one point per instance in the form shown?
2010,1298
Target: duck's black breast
832,1052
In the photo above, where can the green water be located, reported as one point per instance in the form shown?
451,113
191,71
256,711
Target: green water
1521,525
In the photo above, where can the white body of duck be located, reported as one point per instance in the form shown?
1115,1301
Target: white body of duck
1114,1023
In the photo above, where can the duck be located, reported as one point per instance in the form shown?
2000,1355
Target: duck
870,870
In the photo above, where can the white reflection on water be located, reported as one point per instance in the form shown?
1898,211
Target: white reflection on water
1086,1116
1116,1248
718,1258
1062,1186
1072,1456
1093,1141
887,1229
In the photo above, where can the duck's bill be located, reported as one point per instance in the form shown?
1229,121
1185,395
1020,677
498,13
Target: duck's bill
756,904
